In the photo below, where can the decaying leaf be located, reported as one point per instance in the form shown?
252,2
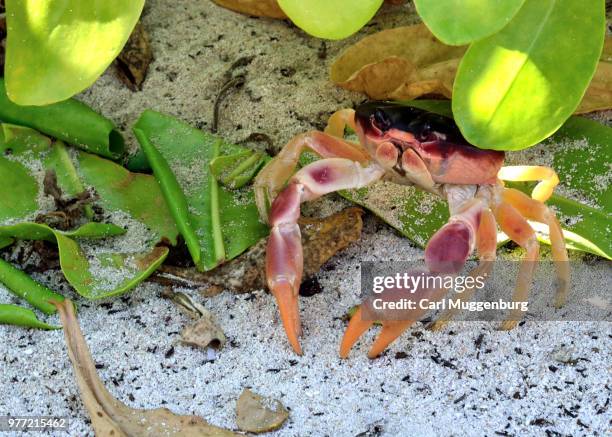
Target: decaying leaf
409,62
321,239
133,62
109,416
401,63
205,332
254,413
257,8
598,95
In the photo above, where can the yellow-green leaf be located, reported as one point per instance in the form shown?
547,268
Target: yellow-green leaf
458,22
57,48
518,86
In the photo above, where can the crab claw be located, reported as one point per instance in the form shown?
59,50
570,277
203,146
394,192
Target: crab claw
449,248
284,260
394,321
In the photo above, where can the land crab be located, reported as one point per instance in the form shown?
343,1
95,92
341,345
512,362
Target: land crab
406,145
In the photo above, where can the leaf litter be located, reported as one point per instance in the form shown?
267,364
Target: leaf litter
111,417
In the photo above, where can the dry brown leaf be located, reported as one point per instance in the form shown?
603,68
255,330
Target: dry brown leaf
321,238
409,62
205,332
598,95
109,416
255,413
401,63
256,8
133,62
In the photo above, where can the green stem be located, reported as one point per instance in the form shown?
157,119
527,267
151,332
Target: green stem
218,247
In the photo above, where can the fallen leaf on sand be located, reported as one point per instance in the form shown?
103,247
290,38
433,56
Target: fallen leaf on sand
598,95
254,413
133,62
321,239
401,63
109,416
257,8
205,332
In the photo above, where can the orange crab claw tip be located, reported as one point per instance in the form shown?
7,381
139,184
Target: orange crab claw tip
390,331
288,308
357,326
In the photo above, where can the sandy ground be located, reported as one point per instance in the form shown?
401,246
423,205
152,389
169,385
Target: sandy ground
539,379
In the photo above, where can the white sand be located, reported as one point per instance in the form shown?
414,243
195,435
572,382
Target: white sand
468,380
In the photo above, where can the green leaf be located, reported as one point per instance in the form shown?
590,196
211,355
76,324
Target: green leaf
28,289
458,22
134,193
70,121
94,274
330,19
237,170
57,48
216,223
124,258
16,315
518,86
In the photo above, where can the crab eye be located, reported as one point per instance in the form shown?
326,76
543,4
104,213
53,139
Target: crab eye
381,120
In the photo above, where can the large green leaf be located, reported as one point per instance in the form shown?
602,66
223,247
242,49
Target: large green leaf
57,48
458,22
216,223
330,19
518,86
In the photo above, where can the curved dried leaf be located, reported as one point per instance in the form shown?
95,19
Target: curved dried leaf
254,413
257,8
133,62
108,415
598,95
400,63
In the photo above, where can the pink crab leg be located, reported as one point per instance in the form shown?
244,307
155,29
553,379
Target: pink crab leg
449,248
446,252
486,243
537,211
276,173
516,227
284,260
547,177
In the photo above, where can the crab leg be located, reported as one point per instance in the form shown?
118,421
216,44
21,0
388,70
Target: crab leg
273,177
546,175
537,211
339,120
516,227
284,260
486,242
446,252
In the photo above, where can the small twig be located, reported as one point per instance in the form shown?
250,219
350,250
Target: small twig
236,82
